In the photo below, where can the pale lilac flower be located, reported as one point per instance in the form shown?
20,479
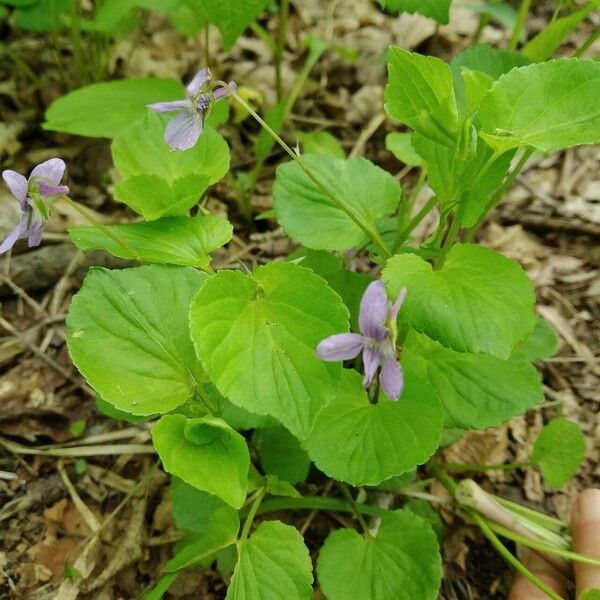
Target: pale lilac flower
184,129
377,323
34,196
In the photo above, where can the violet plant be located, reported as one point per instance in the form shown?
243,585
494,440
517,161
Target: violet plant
252,378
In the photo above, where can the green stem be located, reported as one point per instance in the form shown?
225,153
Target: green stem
348,494
207,45
510,559
251,514
474,467
284,12
264,36
591,39
416,220
451,486
319,503
448,242
369,229
521,18
541,547
105,230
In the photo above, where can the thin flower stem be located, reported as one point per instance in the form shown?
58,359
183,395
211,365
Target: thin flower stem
451,486
348,494
369,230
284,12
416,220
521,18
251,514
541,547
105,230
586,45
319,503
510,558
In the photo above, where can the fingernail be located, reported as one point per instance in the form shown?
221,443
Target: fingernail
587,507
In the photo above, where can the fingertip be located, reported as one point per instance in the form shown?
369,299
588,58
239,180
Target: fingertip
586,538
523,589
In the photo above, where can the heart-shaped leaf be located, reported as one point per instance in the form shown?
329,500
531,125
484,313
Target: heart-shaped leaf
559,451
206,453
129,336
310,216
549,106
105,109
401,561
363,443
256,337
477,390
272,564
479,301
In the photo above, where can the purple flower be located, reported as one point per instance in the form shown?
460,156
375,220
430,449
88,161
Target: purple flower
377,323
34,196
184,129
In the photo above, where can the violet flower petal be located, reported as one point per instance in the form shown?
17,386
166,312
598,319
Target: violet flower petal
51,170
35,234
373,311
222,92
342,346
198,81
49,190
392,378
371,360
12,237
183,130
398,304
165,107
18,186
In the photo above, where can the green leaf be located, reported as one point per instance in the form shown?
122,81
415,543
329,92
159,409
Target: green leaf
477,390
548,40
401,561
590,595
502,12
104,109
173,240
281,487
559,451
321,142
423,509
152,197
348,284
220,532
420,94
273,564
456,179
484,59
129,336
311,217
393,484
363,443
542,343
477,85
549,106
400,145
256,337
108,410
43,15
231,16
206,453
436,9
141,150
479,301
195,510
281,454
